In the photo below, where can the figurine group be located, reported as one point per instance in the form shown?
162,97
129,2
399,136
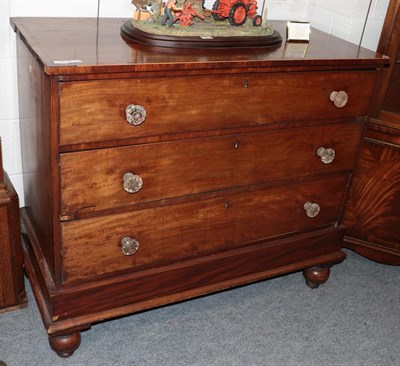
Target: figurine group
184,11
169,12
185,15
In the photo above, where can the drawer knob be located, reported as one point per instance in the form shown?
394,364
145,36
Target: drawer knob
312,209
135,114
132,182
326,155
339,98
129,246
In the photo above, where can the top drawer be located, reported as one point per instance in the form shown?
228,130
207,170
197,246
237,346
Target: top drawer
92,111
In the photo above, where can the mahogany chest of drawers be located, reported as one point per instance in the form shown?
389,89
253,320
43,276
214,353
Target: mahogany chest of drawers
155,175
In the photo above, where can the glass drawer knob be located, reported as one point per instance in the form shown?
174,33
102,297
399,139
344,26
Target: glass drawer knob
135,114
339,98
129,246
132,182
312,209
326,155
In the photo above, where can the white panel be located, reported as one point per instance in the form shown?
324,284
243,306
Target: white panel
17,182
56,8
341,27
5,29
372,34
320,18
379,9
116,9
361,9
344,7
287,10
11,148
8,89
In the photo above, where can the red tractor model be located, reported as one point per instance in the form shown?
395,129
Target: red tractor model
236,11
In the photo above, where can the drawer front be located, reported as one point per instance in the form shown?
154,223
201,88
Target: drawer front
94,180
93,111
92,247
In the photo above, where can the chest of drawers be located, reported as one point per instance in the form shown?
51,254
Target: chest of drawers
157,175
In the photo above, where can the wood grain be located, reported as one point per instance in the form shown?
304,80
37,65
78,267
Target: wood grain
197,276
227,153
92,180
12,288
95,110
92,247
101,49
39,154
372,211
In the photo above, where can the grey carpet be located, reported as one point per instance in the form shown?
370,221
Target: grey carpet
353,319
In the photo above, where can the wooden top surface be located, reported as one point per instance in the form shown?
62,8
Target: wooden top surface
99,47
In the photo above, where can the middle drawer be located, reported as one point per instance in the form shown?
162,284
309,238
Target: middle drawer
107,178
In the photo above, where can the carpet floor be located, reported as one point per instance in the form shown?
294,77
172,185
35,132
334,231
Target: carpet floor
353,319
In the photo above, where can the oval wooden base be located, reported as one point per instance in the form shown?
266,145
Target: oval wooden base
65,345
131,33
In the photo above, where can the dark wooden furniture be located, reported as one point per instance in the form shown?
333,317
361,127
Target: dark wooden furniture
373,209
159,175
12,289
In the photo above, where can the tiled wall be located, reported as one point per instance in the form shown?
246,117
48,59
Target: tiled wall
344,18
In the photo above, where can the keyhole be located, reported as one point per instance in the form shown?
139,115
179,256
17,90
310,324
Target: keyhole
226,204
246,84
236,144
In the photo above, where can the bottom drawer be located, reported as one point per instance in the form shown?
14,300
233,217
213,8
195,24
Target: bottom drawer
93,247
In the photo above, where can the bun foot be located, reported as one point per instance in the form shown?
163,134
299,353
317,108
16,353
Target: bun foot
316,276
65,345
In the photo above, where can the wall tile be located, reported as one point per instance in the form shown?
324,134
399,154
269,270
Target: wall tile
320,18
8,89
348,18
361,9
372,33
341,26
116,9
379,9
343,7
287,10
5,29
60,8
11,147
17,182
